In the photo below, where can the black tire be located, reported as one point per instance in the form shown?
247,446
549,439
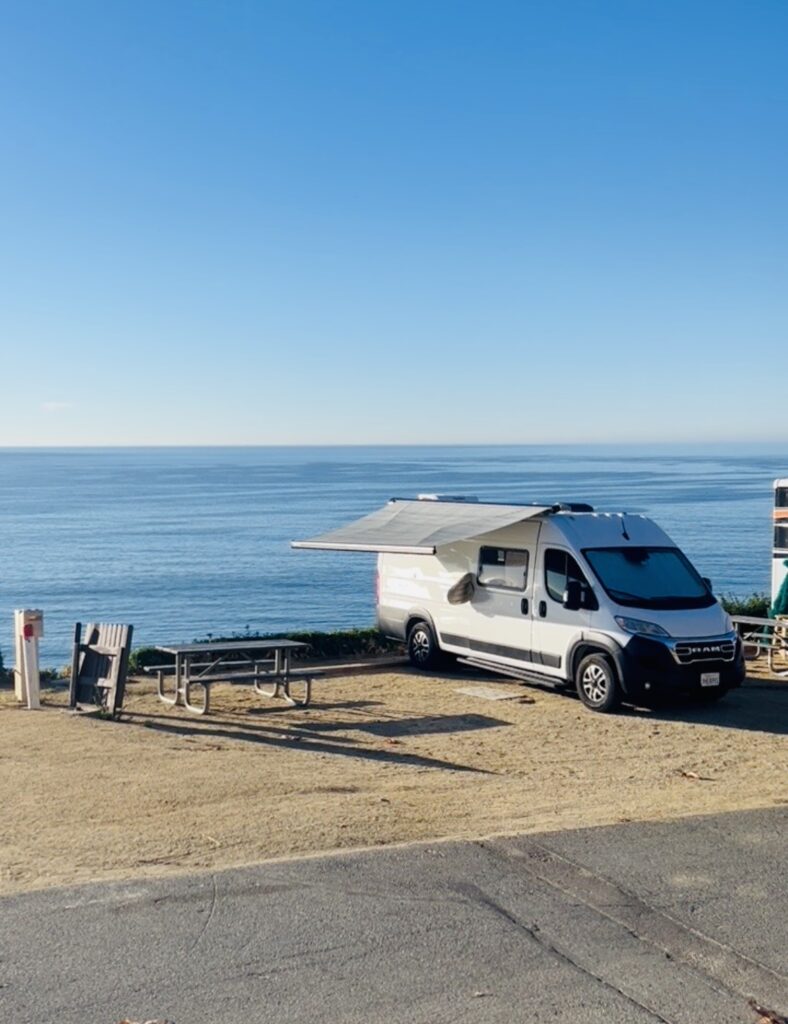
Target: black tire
423,649
597,683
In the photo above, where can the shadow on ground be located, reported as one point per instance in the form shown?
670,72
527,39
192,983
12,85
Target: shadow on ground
417,726
752,708
310,737
758,706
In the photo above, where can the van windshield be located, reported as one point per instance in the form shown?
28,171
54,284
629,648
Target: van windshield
649,577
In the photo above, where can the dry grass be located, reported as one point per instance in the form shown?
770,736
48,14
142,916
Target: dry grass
379,758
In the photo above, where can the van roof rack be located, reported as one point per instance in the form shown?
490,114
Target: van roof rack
572,506
447,497
558,506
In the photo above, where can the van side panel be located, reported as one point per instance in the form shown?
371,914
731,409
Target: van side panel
496,623
415,586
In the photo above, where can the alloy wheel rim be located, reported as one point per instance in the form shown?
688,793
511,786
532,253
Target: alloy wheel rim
420,645
595,683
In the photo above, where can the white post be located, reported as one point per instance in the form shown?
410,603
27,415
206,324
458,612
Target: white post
32,675
20,687
30,627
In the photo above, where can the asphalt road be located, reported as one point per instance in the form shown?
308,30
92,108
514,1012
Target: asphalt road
677,922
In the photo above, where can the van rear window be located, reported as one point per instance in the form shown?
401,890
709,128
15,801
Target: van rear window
503,567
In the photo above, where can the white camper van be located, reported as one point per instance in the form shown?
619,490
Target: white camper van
603,602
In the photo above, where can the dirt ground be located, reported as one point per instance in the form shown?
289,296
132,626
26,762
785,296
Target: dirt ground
381,757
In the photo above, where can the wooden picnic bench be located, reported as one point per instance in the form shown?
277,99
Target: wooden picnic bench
99,665
263,663
770,635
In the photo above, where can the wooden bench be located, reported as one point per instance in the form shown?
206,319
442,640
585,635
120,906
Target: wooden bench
99,665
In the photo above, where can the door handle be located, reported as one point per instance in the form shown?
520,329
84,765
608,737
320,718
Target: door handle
524,606
542,609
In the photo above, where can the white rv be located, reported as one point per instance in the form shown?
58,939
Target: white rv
603,602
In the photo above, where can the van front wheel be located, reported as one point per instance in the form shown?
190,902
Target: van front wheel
423,649
597,685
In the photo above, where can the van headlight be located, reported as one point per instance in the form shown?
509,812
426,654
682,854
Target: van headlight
640,626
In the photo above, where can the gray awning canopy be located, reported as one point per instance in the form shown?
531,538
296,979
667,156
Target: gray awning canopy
419,527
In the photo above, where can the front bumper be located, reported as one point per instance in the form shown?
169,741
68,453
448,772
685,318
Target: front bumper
647,666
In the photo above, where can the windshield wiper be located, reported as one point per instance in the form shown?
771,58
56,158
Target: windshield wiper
626,596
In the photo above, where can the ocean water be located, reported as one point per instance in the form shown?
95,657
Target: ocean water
189,542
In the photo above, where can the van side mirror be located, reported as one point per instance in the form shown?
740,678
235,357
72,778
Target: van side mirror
707,582
573,596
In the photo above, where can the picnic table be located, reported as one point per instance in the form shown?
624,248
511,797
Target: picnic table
766,634
256,661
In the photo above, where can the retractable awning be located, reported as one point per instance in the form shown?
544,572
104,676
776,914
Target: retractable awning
419,527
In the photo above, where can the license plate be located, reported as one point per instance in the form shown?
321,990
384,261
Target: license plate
709,679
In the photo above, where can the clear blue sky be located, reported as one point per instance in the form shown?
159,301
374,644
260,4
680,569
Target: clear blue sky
252,222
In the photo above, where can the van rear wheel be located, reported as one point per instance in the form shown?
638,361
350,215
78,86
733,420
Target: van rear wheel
597,683
423,649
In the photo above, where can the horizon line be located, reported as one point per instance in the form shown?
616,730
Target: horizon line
763,442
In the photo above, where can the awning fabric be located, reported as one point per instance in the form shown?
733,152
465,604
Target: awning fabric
419,527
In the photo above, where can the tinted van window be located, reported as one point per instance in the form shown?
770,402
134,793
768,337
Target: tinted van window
503,567
559,567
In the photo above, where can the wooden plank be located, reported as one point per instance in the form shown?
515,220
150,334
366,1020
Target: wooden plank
110,695
124,638
85,691
109,650
75,656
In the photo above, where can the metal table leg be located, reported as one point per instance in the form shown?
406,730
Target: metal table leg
176,697
776,646
300,702
281,680
275,675
197,709
160,688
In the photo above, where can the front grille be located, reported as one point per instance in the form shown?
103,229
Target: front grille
689,651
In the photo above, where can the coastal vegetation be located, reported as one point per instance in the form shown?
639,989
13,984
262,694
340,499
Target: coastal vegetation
756,605
323,646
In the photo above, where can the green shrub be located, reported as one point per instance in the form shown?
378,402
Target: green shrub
756,605
348,643
143,657
345,643
55,676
